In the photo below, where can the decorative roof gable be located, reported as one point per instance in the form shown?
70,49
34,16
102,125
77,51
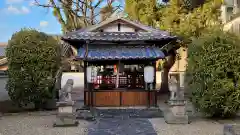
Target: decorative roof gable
122,19
127,21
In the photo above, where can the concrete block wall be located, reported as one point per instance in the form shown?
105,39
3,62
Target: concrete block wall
3,92
159,77
78,79
78,82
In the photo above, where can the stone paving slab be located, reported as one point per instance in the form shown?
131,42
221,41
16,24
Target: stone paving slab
118,126
129,113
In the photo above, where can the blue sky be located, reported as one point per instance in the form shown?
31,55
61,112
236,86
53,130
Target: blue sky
17,14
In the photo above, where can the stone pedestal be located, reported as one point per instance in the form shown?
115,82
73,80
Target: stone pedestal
65,116
176,114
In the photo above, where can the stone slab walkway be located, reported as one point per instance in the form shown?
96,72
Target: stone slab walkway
129,113
118,126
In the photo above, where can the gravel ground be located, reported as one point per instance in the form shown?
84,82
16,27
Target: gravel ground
25,124
199,127
39,124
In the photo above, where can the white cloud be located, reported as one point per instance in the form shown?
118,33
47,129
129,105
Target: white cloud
25,10
16,10
32,3
43,24
12,9
13,1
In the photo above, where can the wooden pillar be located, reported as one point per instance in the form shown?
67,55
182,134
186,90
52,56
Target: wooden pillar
85,75
90,94
155,74
85,65
117,76
149,96
154,83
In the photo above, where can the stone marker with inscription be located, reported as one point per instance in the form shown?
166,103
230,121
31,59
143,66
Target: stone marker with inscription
231,129
176,113
66,115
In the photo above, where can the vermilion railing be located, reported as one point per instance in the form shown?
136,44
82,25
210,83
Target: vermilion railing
125,81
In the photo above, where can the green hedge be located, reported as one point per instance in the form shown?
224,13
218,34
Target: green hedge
33,60
213,73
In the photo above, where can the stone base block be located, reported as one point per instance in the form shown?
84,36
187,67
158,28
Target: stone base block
231,130
65,122
177,120
65,109
170,118
66,115
176,102
65,103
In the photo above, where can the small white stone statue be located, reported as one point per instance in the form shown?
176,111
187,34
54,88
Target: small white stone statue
173,88
65,92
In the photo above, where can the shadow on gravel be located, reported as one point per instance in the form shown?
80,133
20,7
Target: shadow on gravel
8,106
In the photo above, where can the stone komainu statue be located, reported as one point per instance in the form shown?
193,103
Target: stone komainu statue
65,92
174,88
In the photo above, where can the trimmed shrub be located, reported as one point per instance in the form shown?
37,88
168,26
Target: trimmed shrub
33,60
213,73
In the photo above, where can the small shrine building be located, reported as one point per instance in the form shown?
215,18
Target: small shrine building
119,49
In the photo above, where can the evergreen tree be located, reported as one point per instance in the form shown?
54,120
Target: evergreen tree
190,23
141,10
187,24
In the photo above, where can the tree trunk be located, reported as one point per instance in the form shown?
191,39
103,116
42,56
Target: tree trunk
164,84
167,65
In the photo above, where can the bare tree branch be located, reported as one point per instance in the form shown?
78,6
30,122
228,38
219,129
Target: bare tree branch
72,13
98,3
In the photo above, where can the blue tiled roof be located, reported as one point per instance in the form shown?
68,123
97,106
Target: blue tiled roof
118,36
116,53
